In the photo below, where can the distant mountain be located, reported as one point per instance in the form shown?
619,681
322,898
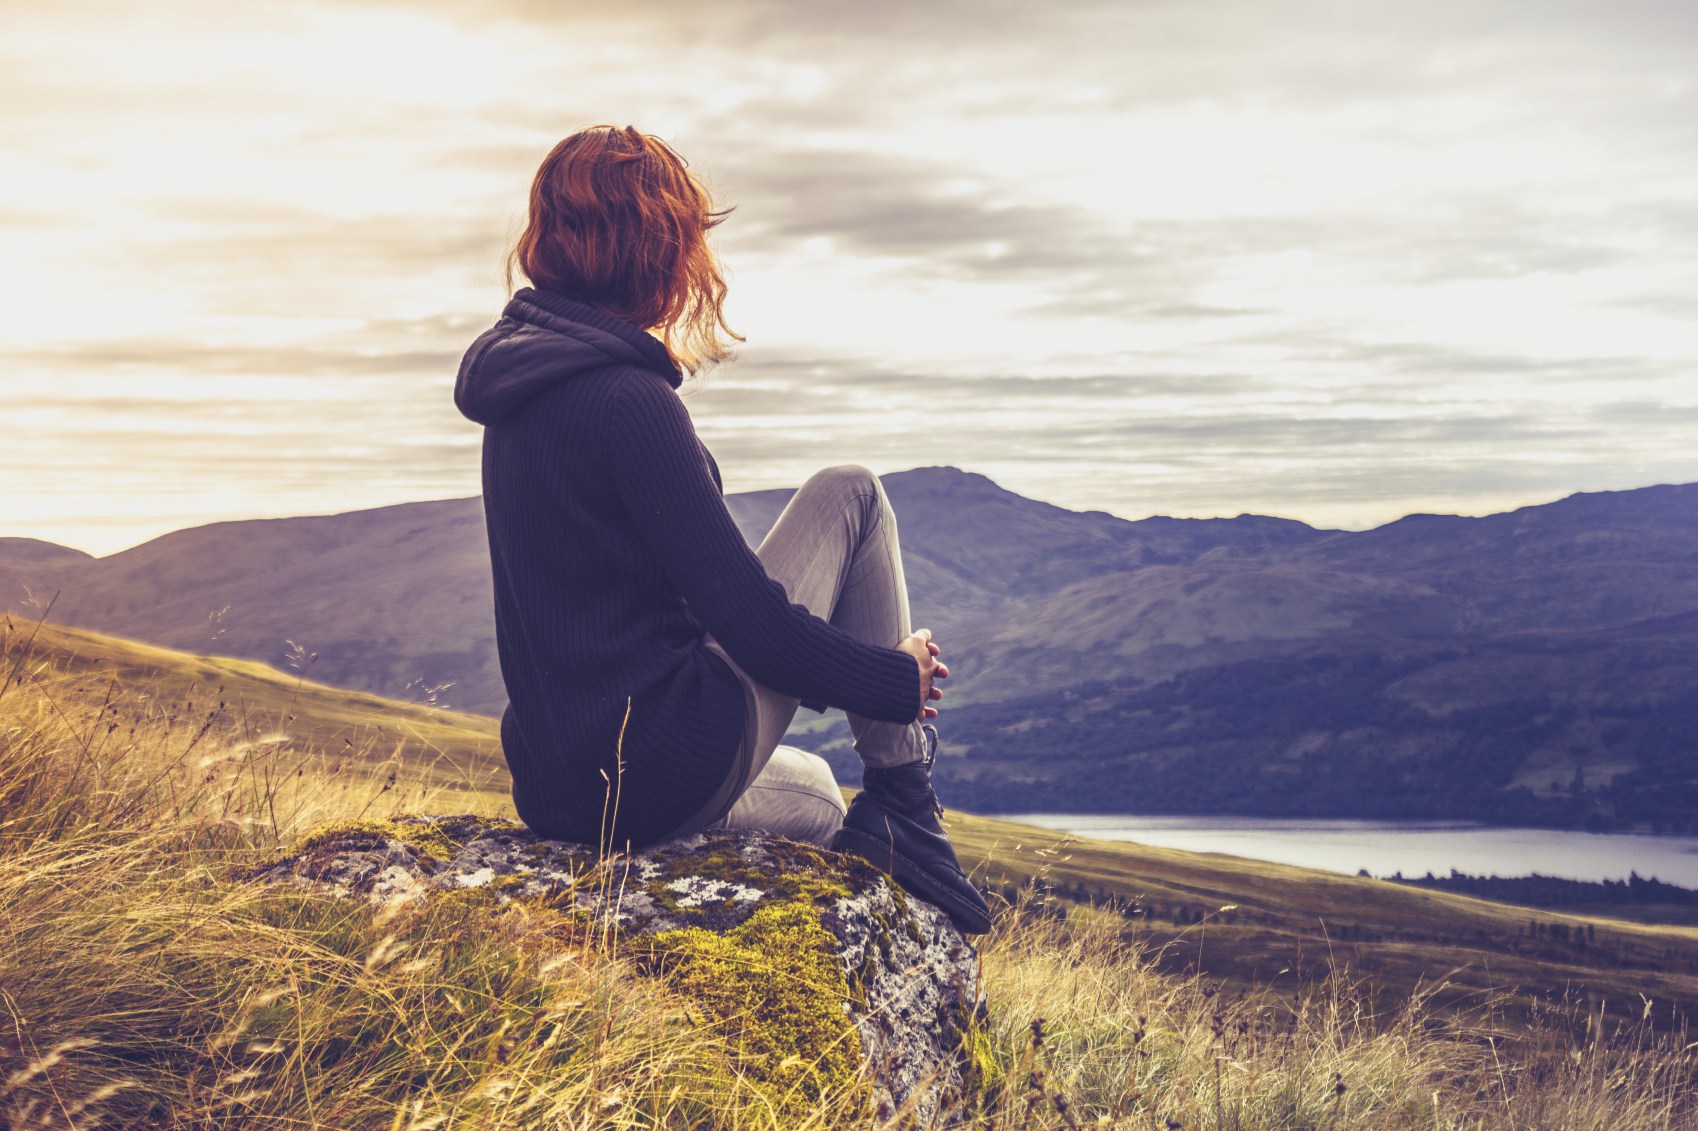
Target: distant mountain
394,600
28,552
24,558
1537,665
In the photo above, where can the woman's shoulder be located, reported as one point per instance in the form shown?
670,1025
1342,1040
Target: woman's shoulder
640,395
611,389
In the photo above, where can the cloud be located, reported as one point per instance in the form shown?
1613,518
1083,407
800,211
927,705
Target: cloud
298,244
1658,416
1180,445
1196,258
180,358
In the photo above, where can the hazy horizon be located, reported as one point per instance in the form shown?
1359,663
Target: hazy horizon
1334,263
1054,502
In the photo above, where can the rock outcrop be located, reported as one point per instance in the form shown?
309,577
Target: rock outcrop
820,966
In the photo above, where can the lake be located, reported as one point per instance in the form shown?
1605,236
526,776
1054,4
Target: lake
1411,847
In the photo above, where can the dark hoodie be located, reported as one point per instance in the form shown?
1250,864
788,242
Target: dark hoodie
613,557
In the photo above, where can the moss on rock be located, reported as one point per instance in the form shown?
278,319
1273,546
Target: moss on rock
436,838
777,987
694,887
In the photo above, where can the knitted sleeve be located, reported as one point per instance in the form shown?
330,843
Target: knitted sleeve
665,484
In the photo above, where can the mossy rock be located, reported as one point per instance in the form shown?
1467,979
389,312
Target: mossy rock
825,974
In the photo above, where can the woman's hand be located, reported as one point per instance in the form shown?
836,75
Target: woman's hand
920,647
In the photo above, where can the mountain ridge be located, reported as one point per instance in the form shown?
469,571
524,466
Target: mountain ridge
1081,639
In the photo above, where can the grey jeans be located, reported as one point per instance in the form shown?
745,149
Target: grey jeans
835,551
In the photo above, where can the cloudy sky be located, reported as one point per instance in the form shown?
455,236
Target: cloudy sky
1338,261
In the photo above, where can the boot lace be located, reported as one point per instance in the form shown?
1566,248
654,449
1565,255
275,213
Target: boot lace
929,760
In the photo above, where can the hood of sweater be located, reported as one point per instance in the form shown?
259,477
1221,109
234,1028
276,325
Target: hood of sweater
543,337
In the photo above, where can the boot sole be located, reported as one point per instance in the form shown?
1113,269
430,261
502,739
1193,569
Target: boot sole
968,919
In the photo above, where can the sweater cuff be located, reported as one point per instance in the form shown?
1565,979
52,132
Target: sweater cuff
892,693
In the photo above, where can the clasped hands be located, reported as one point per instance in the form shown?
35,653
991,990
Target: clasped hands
925,653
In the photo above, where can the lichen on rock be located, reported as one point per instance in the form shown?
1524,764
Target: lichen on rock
825,975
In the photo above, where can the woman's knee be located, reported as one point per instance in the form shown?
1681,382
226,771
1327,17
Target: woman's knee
846,479
795,796
816,772
848,488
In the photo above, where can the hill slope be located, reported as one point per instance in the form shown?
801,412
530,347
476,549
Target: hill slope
300,723
1248,922
149,982
1528,666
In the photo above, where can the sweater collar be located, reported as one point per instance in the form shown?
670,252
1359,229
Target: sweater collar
655,355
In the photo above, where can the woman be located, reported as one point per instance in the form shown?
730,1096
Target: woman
652,661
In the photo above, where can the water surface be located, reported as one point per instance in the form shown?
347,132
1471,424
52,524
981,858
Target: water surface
1411,847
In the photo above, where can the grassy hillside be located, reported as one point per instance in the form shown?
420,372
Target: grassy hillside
286,723
1255,923
1286,923
142,984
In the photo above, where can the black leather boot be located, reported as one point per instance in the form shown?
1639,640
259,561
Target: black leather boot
894,824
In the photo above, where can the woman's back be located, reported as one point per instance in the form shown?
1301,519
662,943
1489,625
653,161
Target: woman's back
586,620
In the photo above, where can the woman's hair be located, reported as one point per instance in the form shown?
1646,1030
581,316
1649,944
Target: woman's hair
618,221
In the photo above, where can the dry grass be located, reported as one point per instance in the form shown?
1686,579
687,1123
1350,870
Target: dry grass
1288,922
1100,1037
143,985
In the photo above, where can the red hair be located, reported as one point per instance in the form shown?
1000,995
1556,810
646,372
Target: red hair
618,221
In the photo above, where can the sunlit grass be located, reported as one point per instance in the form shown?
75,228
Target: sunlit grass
145,983
1095,1031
